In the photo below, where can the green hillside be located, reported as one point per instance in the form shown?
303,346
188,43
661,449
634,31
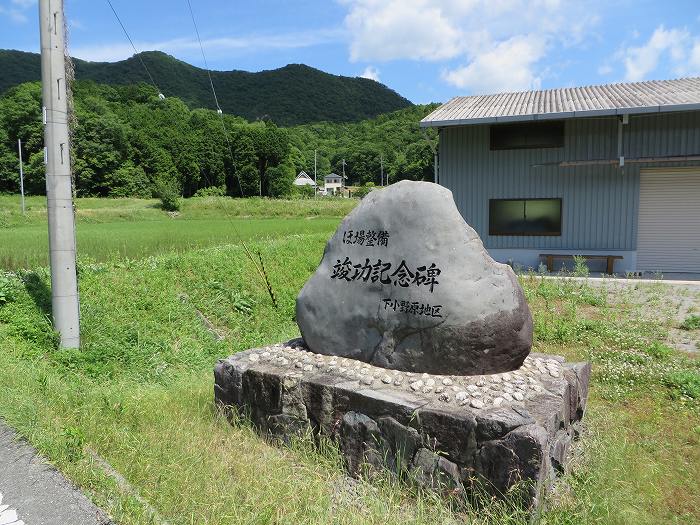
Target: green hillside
127,142
291,95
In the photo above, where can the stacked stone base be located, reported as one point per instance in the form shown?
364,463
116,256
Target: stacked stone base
498,430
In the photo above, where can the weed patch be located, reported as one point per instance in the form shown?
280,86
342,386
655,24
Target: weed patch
692,322
684,383
8,287
628,353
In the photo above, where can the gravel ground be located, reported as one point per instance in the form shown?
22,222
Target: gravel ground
671,301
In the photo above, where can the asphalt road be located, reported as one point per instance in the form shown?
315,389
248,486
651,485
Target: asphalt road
34,493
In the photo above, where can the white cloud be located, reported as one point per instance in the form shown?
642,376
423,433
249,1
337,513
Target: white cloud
642,60
605,69
395,29
508,66
472,37
109,52
15,10
75,24
103,52
694,59
371,73
15,15
673,51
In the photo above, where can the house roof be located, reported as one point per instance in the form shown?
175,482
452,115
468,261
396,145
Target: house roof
655,96
304,178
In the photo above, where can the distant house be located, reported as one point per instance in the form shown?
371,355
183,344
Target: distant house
334,183
610,170
304,180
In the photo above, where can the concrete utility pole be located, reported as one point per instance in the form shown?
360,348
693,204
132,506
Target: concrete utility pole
315,183
381,164
21,172
59,191
436,159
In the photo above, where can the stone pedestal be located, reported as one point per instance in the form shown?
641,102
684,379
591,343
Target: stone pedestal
445,431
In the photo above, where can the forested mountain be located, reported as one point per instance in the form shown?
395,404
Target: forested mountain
291,95
128,142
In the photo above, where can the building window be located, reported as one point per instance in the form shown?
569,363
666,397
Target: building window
528,135
525,217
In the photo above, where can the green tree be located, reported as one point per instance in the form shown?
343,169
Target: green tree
127,141
20,115
297,160
129,181
35,174
280,180
211,159
168,193
244,159
9,166
250,180
20,118
271,146
100,142
363,165
419,161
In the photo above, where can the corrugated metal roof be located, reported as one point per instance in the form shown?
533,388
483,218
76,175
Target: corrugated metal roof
589,101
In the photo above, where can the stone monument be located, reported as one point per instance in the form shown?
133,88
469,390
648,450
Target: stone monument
406,284
415,356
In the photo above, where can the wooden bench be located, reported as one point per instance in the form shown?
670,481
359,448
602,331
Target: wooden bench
549,257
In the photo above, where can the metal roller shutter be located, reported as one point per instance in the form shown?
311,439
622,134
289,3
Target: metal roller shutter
669,220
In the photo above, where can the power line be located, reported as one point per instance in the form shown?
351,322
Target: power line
206,65
136,52
216,99
260,268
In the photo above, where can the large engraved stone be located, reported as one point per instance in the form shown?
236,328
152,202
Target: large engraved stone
406,283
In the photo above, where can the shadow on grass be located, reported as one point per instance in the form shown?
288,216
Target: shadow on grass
39,292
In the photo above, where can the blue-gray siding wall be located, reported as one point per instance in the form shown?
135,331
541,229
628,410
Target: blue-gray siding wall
599,203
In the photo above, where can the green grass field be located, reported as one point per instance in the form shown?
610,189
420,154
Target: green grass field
139,393
134,228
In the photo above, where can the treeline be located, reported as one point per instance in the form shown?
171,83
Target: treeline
393,142
127,142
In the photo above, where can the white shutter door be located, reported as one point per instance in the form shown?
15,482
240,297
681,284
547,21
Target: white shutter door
668,237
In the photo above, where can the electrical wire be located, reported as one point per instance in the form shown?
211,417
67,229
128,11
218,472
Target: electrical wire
136,52
216,99
260,268
204,57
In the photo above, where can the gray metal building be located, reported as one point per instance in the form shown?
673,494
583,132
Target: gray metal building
599,170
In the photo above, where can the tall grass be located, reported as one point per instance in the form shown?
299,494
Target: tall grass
27,247
139,394
135,228
91,210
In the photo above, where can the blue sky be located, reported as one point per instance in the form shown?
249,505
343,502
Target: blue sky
426,50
